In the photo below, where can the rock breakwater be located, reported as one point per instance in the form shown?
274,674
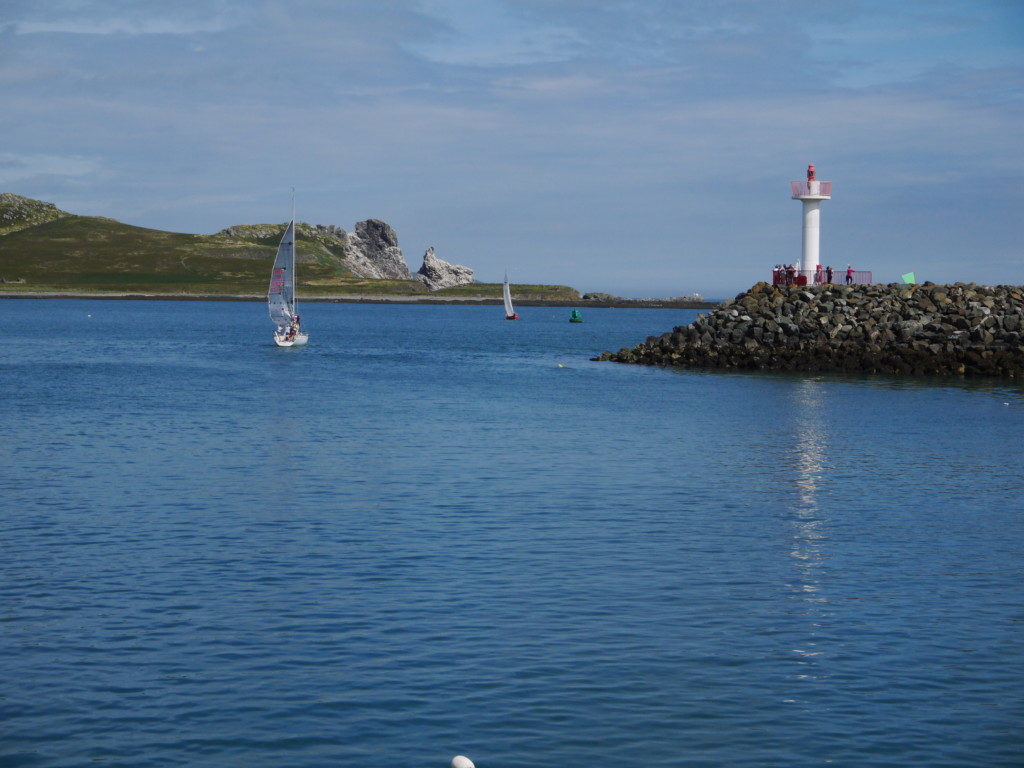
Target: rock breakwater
928,329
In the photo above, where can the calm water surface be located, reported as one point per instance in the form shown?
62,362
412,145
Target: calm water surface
434,532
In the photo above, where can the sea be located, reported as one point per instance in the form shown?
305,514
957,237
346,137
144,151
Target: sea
433,532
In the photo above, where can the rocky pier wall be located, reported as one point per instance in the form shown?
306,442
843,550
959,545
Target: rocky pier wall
958,329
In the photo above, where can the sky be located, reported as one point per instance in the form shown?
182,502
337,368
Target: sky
635,147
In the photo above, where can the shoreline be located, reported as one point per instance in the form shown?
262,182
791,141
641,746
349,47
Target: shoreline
364,299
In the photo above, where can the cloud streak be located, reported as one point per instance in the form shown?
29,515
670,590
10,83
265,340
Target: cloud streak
15,168
121,26
124,17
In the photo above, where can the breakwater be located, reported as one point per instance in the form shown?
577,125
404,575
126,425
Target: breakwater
925,329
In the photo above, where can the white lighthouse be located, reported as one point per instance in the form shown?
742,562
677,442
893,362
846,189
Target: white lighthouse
811,192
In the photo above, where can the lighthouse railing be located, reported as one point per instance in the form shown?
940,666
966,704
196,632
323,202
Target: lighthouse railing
802,277
804,188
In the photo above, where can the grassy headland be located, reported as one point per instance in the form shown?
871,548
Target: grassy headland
46,250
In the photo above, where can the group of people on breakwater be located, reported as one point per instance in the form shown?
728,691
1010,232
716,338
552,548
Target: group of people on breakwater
788,274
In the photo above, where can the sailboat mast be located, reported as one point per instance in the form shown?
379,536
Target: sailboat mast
295,278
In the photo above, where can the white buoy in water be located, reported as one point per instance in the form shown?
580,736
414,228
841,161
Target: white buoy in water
461,761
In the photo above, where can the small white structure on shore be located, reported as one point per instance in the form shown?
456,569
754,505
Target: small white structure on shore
811,192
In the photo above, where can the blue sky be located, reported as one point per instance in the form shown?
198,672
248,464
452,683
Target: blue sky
642,148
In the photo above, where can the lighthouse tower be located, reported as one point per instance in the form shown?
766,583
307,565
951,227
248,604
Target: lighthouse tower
811,192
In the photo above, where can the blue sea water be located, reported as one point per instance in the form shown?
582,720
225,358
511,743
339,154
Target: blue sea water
434,532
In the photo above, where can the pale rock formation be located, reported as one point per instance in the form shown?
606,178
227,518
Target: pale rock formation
437,273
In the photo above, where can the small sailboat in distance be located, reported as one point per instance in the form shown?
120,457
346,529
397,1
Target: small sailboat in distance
281,294
510,312
575,316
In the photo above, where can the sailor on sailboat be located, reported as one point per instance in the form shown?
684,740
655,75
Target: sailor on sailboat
510,312
281,295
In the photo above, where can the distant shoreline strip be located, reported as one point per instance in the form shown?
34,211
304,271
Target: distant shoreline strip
470,301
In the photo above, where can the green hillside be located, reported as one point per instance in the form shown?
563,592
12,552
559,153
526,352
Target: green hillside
95,254
45,249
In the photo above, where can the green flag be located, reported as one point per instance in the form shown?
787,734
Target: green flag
909,278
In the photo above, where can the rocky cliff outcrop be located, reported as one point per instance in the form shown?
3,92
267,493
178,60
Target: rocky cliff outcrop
919,330
437,273
374,252
371,251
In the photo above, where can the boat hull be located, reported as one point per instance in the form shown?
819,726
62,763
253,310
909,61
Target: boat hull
514,316
297,340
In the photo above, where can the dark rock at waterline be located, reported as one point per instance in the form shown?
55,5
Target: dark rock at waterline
914,330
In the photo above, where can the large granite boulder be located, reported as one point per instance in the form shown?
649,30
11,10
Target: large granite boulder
437,273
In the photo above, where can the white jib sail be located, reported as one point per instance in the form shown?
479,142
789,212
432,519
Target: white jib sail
281,296
509,311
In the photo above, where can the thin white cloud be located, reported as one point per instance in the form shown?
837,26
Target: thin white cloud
557,86
122,26
18,168
126,17
483,33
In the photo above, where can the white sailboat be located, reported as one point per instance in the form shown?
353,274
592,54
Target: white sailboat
281,294
510,312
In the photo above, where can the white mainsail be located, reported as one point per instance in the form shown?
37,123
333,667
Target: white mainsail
506,294
281,296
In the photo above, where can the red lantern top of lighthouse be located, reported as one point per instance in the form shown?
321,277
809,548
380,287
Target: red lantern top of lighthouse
812,189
